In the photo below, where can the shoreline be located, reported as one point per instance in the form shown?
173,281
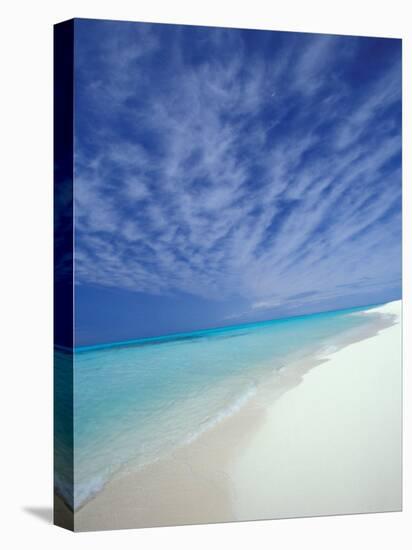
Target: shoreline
336,437
213,479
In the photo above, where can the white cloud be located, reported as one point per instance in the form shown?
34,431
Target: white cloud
224,207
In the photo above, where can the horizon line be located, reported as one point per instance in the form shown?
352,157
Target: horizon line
172,335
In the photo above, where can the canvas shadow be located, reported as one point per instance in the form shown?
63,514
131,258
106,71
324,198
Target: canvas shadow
43,513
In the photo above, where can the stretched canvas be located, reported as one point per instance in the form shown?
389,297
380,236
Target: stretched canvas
227,274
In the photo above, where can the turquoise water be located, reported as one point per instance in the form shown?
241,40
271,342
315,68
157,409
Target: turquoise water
135,402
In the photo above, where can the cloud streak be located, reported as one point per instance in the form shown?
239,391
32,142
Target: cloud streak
256,167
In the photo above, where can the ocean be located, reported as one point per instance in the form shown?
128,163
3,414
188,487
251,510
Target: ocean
135,402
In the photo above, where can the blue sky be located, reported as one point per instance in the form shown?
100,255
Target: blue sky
225,176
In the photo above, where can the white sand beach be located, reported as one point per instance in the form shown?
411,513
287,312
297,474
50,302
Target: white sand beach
331,445
324,438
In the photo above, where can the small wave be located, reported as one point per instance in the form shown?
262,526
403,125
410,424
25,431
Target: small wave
329,350
86,491
64,489
82,491
212,421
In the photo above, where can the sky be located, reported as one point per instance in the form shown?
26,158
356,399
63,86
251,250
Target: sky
224,176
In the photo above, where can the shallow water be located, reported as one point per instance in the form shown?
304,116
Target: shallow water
135,402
